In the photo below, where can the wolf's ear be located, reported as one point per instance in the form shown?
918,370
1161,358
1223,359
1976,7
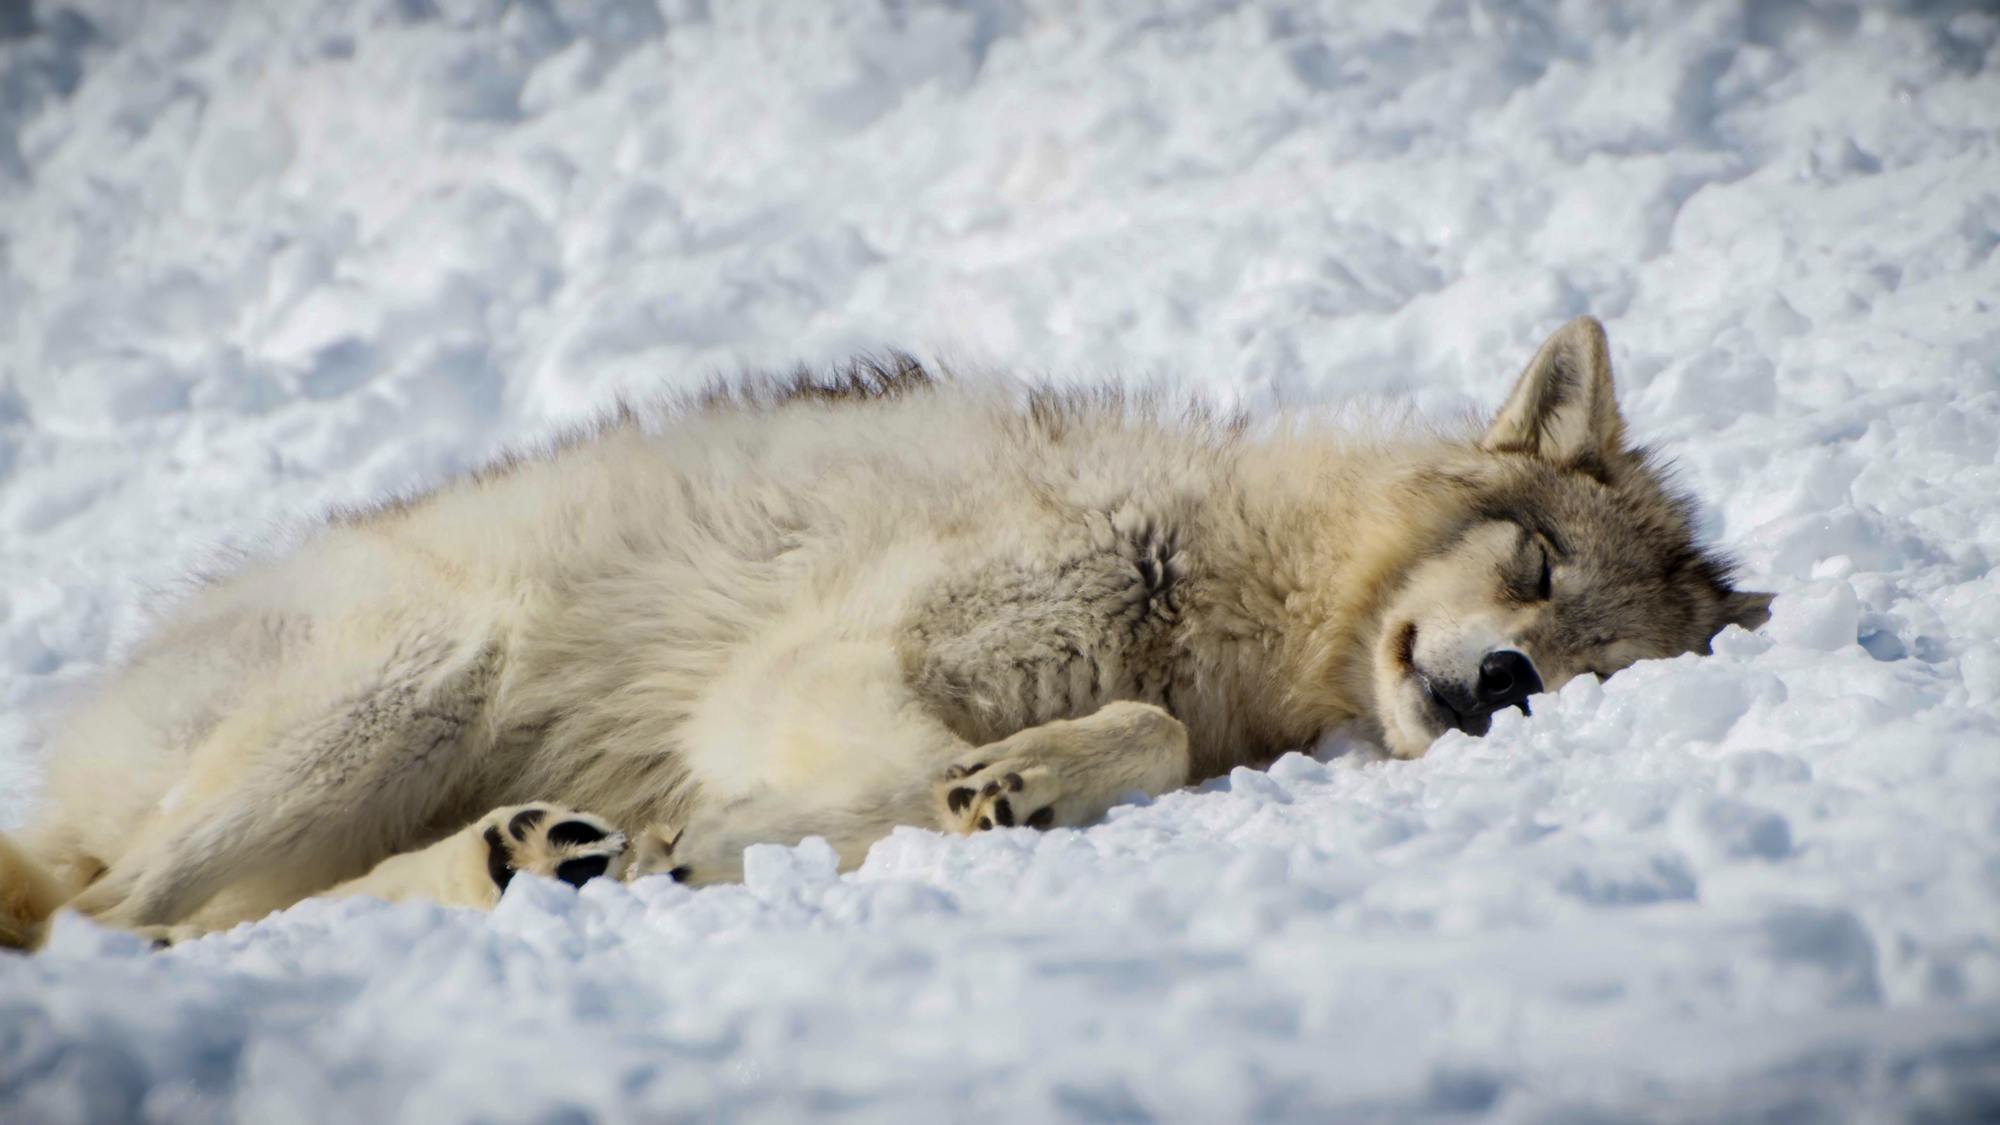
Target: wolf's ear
1746,608
1563,409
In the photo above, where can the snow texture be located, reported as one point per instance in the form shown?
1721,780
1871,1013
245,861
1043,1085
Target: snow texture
259,259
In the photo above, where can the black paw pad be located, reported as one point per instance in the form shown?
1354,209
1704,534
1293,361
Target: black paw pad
1042,817
1004,813
680,874
499,867
985,823
957,799
577,872
575,832
524,822
1014,783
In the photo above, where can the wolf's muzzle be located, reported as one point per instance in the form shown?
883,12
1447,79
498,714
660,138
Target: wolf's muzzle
1506,679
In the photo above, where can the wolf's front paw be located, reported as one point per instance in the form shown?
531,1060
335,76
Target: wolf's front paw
1008,791
551,840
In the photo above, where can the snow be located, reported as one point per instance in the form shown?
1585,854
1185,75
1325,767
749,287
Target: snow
256,260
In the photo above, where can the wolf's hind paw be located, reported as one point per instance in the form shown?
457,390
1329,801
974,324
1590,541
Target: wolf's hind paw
553,841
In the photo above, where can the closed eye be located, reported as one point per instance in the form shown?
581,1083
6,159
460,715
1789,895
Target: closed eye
1529,575
1535,576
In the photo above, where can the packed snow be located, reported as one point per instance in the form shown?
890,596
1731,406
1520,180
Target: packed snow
260,259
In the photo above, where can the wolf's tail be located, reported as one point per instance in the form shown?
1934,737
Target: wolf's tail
28,895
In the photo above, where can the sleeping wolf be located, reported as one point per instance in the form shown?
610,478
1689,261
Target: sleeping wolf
832,607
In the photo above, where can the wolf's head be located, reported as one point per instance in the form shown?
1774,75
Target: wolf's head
1576,559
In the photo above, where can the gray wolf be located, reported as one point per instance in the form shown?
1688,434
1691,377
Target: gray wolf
838,605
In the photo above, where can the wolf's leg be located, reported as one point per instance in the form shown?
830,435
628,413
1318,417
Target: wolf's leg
472,867
805,734
287,788
1065,773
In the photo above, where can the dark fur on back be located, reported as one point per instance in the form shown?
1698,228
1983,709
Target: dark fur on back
865,378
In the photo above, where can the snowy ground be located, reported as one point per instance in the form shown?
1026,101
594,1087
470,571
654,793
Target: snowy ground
259,258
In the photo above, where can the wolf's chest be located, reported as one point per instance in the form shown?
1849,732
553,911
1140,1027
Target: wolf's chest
1016,644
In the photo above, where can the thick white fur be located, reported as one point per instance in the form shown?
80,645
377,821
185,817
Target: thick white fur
745,624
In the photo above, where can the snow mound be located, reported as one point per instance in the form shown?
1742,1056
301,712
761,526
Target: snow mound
260,259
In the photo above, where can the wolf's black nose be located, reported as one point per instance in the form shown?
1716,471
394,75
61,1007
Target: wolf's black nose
1506,679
